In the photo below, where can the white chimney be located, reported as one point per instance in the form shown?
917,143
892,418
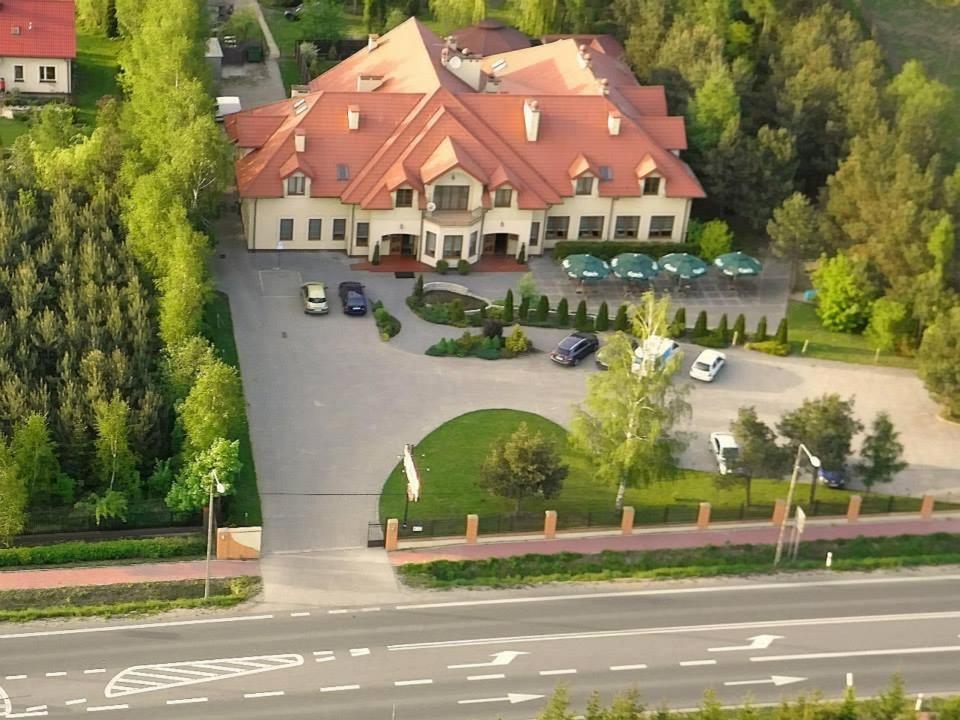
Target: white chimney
373,41
531,119
368,83
604,86
353,117
492,84
613,122
300,140
583,57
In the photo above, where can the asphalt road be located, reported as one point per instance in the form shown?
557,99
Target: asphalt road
487,655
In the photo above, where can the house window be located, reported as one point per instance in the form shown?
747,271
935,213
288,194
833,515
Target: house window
585,185
452,246
661,226
557,227
628,226
651,186
296,185
343,172
286,229
503,197
451,197
339,228
404,198
314,226
363,234
431,244
591,226
473,242
18,73
534,234
48,73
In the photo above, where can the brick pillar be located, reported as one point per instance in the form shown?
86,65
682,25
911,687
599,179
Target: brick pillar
926,507
550,524
853,508
703,516
473,525
779,511
393,531
626,521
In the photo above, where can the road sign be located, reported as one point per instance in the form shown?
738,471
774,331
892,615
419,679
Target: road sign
776,680
512,698
413,477
757,642
501,658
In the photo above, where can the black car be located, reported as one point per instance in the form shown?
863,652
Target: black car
352,298
833,478
574,348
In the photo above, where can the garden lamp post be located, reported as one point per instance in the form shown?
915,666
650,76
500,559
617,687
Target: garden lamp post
815,461
220,488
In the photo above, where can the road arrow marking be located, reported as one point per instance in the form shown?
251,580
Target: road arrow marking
5,705
512,698
501,658
776,680
757,642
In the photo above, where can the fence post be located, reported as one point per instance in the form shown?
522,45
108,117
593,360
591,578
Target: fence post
703,516
626,521
853,508
391,540
926,507
779,511
550,524
473,525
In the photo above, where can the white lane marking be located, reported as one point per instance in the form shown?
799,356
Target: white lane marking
55,674
849,679
101,708
501,658
94,671
776,680
359,652
801,622
786,586
567,671
323,652
757,642
77,701
15,677
300,614
187,701
140,626
328,658
36,708
5,706
269,693
337,612
370,609
860,653
405,683
638,666
338,688
512,698
696,663
40,713
492,676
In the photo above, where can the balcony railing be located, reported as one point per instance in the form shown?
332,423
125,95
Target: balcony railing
454,218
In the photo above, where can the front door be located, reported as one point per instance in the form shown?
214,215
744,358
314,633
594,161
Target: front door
396,243
401,244
495,243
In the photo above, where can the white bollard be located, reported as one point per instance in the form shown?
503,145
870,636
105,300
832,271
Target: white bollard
919,704
829,559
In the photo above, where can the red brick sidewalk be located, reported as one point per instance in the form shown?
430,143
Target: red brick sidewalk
113,574
717,535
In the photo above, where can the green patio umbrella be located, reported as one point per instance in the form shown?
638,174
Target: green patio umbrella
683,265
585,267
737,263
634,266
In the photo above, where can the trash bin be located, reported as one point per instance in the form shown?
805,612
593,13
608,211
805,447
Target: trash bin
254,54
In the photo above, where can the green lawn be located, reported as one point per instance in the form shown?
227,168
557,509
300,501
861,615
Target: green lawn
828,345
243,507
96,74
10,130
449,460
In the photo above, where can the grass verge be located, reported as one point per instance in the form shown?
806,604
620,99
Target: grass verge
857,554
243,506
125,599
72,553
96,74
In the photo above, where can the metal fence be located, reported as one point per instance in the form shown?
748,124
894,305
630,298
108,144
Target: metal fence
147,515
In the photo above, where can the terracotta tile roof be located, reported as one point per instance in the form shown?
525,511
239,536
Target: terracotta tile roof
606,44
489,37
447,156
38,29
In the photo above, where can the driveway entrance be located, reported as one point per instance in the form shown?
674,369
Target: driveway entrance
499,243
401,243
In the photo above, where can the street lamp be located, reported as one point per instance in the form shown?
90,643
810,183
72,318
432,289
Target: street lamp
815,461
215,484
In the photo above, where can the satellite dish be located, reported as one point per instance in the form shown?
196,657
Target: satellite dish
455,62
431,206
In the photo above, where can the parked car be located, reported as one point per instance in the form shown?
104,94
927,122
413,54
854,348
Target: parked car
707,365
603,366
832,478
574,348
352,298
314,295
726,451
660,348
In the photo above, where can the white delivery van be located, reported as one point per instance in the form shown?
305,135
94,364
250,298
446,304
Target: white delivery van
657,349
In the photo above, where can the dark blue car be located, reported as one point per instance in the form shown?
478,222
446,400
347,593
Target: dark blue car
352,298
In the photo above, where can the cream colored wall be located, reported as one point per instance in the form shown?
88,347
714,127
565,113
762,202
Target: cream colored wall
31,75
300,208
459,177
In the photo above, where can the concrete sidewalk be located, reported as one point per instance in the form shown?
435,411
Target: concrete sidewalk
114,574
686,536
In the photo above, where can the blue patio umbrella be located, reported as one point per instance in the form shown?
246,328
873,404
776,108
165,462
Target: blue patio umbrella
735,264
683,265
634,266
585,267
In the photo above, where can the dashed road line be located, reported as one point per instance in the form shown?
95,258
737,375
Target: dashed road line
140,626
359,652
299,614
370,609
55,674
101,708
696,663
187,701
638,666
342,611
493,676
36,708
76,701
326,658
269,693
567,671
405,683
15,677
339,688
94,671
323,652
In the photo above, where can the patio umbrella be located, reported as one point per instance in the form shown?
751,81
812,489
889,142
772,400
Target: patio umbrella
634,266
585,267
683,265
737,263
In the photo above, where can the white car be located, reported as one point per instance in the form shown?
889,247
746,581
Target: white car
707,365
724,447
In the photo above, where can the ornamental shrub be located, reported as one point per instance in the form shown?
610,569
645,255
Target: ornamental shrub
781,336
517,342
723,331
376,255
418,286
621,323
700,327
761,333
603,317
463,267
457,313
740,329
442,267
770,347
523,312
543,309
581,321
522,255
679,325
563,313
508,307
492,328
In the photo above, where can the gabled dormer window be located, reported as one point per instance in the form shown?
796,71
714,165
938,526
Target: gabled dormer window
404,198
296,185
503,197
585,185
651,185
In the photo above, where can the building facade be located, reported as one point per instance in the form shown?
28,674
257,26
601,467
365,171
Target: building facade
38,45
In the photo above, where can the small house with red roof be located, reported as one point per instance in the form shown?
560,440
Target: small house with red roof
417,148
38,44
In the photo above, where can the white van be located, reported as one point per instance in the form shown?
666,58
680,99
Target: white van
660,348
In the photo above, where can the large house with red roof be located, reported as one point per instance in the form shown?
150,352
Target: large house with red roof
417,148
38,44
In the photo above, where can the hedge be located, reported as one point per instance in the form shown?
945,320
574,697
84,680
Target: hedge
157,548
609,250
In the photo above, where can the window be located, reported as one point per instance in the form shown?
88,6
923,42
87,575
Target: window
661,226
18,73
503,197
296,185
534,234
584,185
404,198
363,234
451,197
339,228
343,172
452,245
314,226
48,73
557,227
591,226
628,226
431,244
651,186
473,242
286,229
606,172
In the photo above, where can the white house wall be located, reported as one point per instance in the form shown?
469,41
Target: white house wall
31,75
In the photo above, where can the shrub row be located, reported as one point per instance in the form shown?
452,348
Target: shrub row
608,250
488,346
387,324
157,548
